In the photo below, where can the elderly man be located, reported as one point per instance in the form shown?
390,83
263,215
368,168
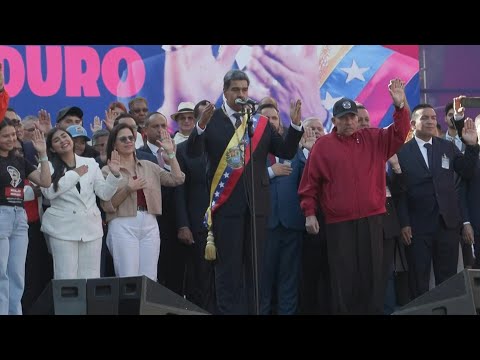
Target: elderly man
185,120
345,174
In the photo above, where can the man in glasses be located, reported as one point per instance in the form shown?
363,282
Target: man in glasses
139,107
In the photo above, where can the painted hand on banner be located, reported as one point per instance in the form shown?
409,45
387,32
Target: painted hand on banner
192,73
275,70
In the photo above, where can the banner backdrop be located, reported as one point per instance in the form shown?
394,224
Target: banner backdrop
90,77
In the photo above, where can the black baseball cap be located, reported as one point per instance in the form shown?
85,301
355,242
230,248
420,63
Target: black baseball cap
69,110
344,106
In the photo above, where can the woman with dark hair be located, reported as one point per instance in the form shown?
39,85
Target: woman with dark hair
14,170
73,220
133,235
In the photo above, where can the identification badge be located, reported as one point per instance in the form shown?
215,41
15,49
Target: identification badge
445,162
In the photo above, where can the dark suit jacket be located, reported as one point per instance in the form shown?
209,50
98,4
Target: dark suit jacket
144,155
470,199
432,192
397,185
285,200
191,198
214,141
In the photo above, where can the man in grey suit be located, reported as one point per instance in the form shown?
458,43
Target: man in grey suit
429,211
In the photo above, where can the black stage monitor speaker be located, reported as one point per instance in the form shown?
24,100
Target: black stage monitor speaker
62,297
102,296
459,295
141,296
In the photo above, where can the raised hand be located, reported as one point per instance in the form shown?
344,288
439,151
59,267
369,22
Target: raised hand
97,124
166,142
38,142
206,115
114,163
397,91
275,70
308,138
296,111
136,184
469,132
81,170
109,119
44,121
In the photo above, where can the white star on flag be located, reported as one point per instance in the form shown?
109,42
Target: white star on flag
217,194
221,184
226,175
329,101
213,203
354,72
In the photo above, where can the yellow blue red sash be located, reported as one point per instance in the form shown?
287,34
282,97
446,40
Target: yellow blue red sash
232,164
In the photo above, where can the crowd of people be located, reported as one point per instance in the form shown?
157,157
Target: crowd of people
237,212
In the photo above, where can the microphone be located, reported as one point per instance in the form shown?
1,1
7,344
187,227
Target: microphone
247,101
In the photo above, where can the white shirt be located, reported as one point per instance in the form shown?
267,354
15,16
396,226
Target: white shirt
153,147
423,149
139,141
179,138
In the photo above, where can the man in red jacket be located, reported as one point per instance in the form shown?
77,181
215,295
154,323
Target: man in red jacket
345,174
3,95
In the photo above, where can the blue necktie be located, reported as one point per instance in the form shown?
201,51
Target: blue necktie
238,120
429,154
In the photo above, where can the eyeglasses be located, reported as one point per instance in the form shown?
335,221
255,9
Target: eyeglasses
126,139
136,111
29,129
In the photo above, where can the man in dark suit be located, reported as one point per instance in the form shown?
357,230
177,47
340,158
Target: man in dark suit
429,211
171,263
191,202
286,224
231,223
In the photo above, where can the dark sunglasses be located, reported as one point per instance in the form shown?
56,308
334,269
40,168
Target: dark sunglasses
125,139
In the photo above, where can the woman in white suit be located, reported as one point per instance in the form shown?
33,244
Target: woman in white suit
73,220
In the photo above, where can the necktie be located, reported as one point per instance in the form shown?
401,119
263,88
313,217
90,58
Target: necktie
429,154
238,120
271,159
160,160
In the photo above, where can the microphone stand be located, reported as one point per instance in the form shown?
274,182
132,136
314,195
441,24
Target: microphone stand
253,221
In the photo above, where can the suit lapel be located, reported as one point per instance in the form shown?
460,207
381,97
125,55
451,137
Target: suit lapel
84,180
436,155
417,154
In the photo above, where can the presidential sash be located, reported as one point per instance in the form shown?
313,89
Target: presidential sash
230,168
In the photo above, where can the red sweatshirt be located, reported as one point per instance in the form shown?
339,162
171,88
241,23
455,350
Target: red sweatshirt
3,104
346,175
